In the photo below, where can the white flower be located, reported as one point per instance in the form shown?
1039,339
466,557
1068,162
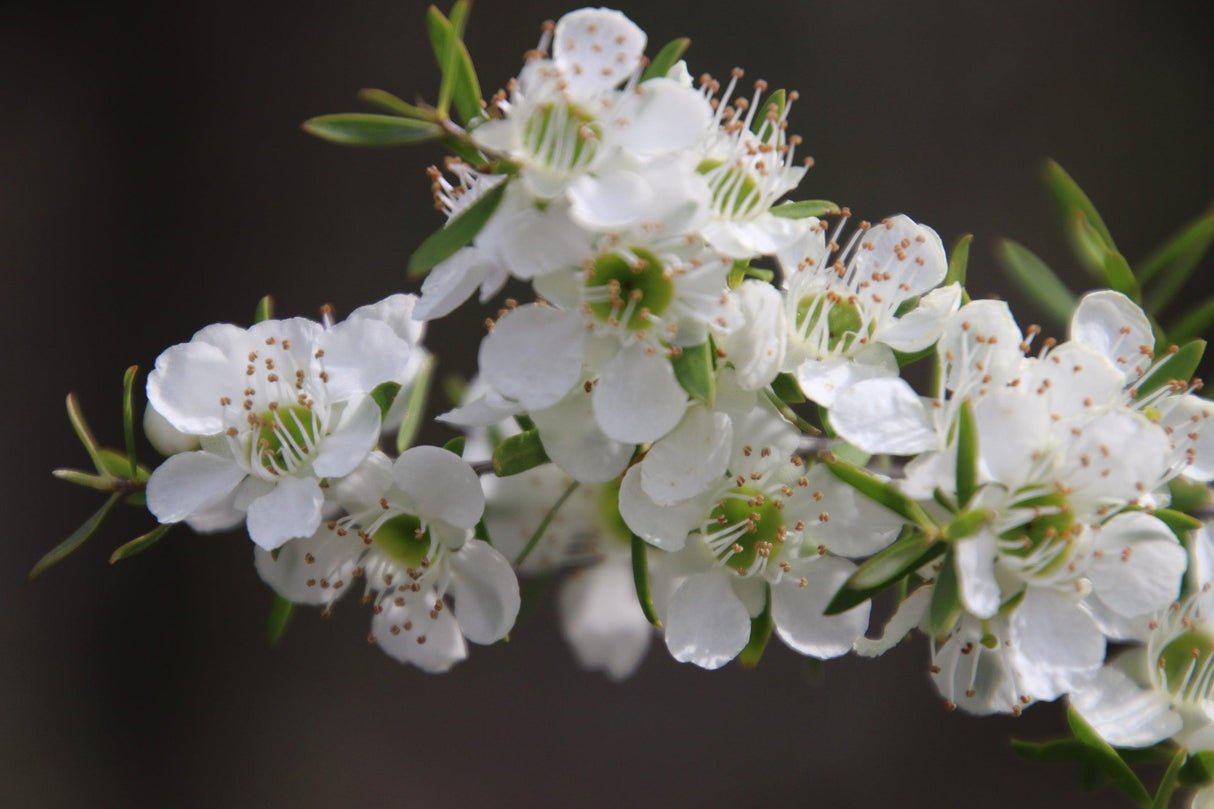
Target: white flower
278,407
409,534
398,312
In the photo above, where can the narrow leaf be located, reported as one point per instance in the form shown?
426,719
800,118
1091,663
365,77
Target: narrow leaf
1110,763
1088,246
763,125
457,233
1070,197
384,395
280,616
640,578
264,310
371,129
518,453
1194,323
1188,496
456,445
880,491
76,416
102,483
1179,367
128,417
693,368
887,567
538,534
967,524
459,81
1181,251
390,103
667,58
1199,770
1057,751
946,608
1119,276
1037,280
967,454
1167,785
786,388
140,544
1179,522
760,632
958,261
118,465
1178,271
411,424
78,538
805,208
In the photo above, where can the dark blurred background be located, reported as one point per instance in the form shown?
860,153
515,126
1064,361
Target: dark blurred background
154,179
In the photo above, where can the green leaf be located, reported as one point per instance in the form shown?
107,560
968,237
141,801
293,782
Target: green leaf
457,233
1037,280
946,607
538,534
737,273
760,632
384,395
1167,785
1179,522
693,367
78,538
518,453
1087,245
1058,751
1180,263
371,129
140,544
667,58
967,454
128,418
1194,323
1198,771
386,101
786,388
102,483
524,422
880,571
118,465
459,82
76,416
759,125
411,424
481,532
805,208
1070,198
1119,276
1179,367
880,491
640,578
1181,251
904,359
967,524
456,445
264,310
280,616
1188,496
1110,763
958,262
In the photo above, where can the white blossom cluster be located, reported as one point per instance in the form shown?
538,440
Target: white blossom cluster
681,309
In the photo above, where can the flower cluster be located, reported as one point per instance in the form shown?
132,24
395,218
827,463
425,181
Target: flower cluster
699,414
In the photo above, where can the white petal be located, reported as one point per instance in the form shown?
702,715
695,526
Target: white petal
189,379
596,48
909,257
975,563
798,611
1013,428
858,526
433,644
1140,566
481,412
573,440
602,620
538,242
922,326
188,482
665,527
984,342
311,570
1124,713
1118,455
485,591
452,282
399,311
162,435
534,355
706,624
1112,324
908,615
757,348
689,459
1192,421
353,438
883,416
609,201
662,117
823,380
361,354
637,398
440,485
292,509
1057,640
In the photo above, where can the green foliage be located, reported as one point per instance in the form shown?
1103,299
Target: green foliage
371,129
458,232
459,82
411,424
805,209
1179,367
640,578
280,615
693,368
384,395
140,544
78,538
760,633
886,568
518,453
1037,280
667,58
538,534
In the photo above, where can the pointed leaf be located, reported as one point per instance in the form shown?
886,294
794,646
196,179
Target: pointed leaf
967,454
280,616
778,98
386,101
518,453
78,538
1037,280
667,58
958,262
640,578
458,232
76,416
805,208
264,310
1179,522
456,445
1183,258
1181,251
140,544
128,418
459,82
946,607
760,632
880,491
786,388
693,368
371,129
1070,197
885,568
412,422
1057,751
1167,785
1199,770
967,523
1110,763
1188,496
538,534
384,395
1180,366
1194,323
102,483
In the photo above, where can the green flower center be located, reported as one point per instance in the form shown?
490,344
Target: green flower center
285,437
760,523
403,539
735,192
842,320
562,136
1055,527
629,293
1184,659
